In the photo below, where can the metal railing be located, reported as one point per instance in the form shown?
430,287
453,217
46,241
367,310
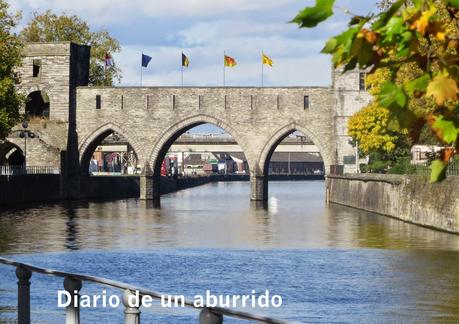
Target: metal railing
11,170
451,170
74,282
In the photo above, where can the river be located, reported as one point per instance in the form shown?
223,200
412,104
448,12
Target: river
330,264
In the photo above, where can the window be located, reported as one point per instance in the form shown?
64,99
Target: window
362,81
36,68
349,159
98,102
306,102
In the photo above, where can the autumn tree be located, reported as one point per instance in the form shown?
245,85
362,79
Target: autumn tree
10,58
417,41
49,27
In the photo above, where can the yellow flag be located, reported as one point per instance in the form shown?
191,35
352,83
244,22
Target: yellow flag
266,60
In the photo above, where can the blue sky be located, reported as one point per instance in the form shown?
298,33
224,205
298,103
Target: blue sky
206,28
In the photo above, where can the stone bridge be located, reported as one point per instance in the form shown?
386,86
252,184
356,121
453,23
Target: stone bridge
78,117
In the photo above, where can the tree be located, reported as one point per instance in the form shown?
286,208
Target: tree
370,128
48,27
418,39
10,58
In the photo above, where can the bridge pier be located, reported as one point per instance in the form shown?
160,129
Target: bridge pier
149,188
258,187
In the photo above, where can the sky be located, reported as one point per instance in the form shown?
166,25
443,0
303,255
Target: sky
204,30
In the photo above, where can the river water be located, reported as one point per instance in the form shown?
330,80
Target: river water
329,264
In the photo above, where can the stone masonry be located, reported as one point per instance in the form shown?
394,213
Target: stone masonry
152,118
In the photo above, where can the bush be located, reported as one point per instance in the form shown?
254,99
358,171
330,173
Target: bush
403,166
378,166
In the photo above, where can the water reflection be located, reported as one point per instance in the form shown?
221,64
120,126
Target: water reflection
332,263
213,216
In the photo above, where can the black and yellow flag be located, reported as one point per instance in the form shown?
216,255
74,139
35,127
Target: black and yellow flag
185,60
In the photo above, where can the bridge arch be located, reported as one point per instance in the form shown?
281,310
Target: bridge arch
11,154
38,104
173,132
90,143
261,173
280,134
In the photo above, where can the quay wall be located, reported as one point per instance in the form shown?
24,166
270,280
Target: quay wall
48,187
409,198
29,188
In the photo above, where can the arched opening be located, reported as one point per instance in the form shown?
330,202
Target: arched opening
292,156
198,149
11,155
109,154
37,104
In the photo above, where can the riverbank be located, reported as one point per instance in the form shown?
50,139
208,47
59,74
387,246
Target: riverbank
409,198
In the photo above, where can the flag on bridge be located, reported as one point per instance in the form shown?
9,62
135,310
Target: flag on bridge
229,61
185,60
266,60
145,60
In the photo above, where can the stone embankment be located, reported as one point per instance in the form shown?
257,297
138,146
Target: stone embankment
409,198
49,187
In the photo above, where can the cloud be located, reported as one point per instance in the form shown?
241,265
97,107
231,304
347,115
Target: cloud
206,28
123,11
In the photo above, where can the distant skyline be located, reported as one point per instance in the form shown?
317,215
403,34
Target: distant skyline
204,29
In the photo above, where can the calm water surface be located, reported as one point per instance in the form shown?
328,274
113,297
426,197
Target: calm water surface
330,264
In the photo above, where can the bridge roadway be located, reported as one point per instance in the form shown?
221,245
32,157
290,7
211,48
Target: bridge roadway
225,144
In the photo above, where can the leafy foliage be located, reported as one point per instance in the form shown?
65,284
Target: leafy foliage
322,10
48,27
418,42
10,57
369,127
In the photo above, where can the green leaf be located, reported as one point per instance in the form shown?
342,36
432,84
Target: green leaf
454,3
330,46
438,171
405,117
391,94
448,128
312,16
355,20
386,16
395,27
419,84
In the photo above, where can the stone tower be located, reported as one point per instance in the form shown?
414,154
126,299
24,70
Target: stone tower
49,76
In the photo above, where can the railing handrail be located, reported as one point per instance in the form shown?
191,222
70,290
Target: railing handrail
10,170
142,291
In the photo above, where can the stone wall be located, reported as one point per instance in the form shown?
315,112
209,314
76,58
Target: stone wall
409,198
29,188
151,118
116,187
349,100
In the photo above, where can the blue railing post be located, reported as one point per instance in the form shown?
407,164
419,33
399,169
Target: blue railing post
23,275
131,314
72,312
206,316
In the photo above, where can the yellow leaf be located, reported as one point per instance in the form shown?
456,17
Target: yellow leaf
440,36
442,88
421,24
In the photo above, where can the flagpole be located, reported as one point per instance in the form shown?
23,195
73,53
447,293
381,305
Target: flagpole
262,58
224,65
182,67
141,69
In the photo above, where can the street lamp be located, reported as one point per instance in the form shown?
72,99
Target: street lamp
25,133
